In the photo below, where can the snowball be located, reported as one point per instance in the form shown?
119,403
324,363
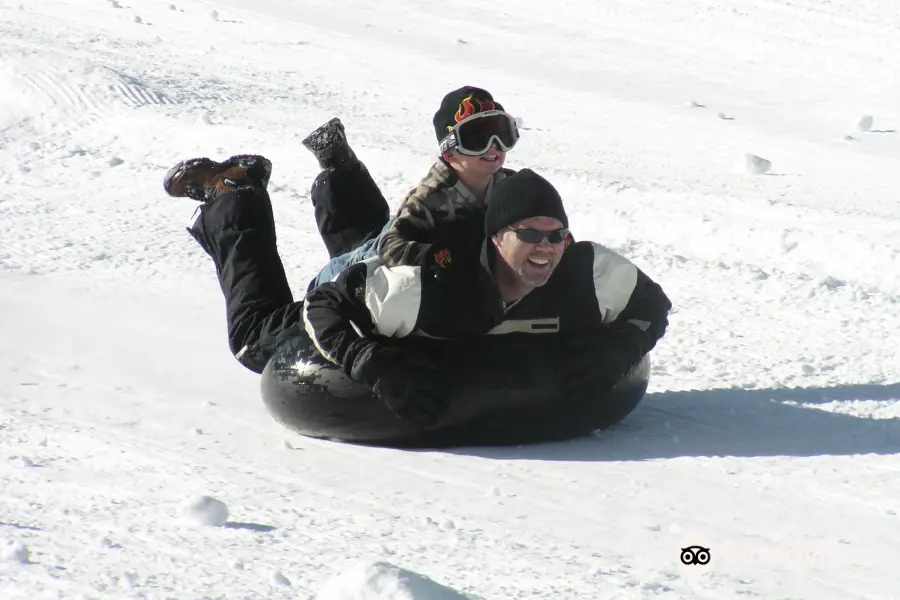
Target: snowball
864,123
448,525
832,282
277,578
15,552
215,15
384,581
756,165
204,510
173,7
138,19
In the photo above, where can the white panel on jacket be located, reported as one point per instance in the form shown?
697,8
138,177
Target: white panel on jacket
393,297
614,280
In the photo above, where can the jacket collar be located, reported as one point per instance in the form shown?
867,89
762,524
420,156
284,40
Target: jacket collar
486,263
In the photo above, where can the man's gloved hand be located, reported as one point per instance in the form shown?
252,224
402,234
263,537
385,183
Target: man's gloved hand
600,359
404,379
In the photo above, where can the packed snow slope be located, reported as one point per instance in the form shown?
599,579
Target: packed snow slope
744,154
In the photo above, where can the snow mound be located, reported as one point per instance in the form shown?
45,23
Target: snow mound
384,581
756,164
15,552
278,578
204,510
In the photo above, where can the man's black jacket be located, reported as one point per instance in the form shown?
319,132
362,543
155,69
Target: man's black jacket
597,308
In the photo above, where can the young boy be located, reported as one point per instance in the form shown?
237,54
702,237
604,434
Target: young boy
474,134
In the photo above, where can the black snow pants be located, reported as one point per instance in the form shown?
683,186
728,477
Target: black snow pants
237,231
349,208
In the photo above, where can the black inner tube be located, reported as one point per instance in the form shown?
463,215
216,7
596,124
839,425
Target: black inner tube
504,403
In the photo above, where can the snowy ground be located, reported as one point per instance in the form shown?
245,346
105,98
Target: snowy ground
772,427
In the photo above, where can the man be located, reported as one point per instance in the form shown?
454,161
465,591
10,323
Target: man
388,326
474,134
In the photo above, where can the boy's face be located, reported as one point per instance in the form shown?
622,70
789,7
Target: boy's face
486,164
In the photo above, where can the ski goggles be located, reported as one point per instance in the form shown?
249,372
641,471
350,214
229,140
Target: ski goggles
475,135
536,236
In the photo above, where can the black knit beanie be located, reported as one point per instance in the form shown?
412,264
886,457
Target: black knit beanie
521,196
461,104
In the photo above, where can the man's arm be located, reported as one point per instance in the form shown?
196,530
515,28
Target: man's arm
368,300
627,297
352,322
634,313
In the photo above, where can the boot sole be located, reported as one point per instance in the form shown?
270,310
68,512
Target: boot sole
172,182
174,185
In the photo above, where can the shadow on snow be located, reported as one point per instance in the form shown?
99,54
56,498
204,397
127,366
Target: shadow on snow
730,422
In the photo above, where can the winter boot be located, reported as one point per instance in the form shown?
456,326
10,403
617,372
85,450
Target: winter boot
329,145
203,179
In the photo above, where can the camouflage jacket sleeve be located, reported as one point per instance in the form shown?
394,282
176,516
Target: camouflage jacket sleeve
410,237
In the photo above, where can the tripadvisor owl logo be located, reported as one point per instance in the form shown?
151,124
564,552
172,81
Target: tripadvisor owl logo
695,555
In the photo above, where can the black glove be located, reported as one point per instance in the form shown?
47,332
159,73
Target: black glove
464,234
598,360
457,243
404,379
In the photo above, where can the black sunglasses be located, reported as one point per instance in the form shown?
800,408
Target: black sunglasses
535,236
